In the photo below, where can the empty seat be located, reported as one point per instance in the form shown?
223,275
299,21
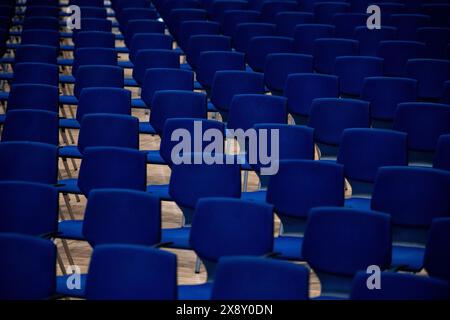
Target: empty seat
407,24
347,22
36,53
39,37
369,39
431,75
36,73
146,59
33,96
246,31
178,16
218,8
436,40
204,43
287,21
269,9
93,56
325,11
145,41
98,76
306,34
141,26
232,18
326,50
95,39
397,53
44,22
192,28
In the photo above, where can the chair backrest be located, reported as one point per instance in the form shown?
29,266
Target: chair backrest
436,39
407,24
423,122
178,16
399,286
99,39
212,61
98,76
28,161
31,125
250,278
301,185
397,53
141,26
44,22
270,9
246,31
346,23
37,216
103,100
93,56
118,216
136,273
260,47
143,41
306,34
189,127
288,20
41,11
431,75
93,12
19,281
135,13
326,50
33,96
437,258
246,110
196,27
218,8
363,151
198,44
36,73
227,84
442,154
279,66
302,89
154,58
331,116
232,18
41,37
100,169
385,93
231,227
93,24
324,11
108,130
353,70
157,79
166,105
36,53
340,242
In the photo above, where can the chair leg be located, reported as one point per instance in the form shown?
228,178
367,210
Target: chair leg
197,265
61,264
67,251
74,164
69,207
66,167
72,140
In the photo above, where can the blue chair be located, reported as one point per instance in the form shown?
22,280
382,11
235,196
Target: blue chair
399,286
270,9
217,8
178,16
31,125
249,278
36,73
212,61
37,216
246,31
306,34
412,209
40,37
157,79
41,11
370,39
83,3
424,123
336,243
302,89
407,24
152,58
232,18
325,11
138,273
352,71
397,53
99,39
192,28
363,151
98,76
45,22
260,47
134,13
279,66
141,26
442,155
446,95
33,96
431,75
204,43
166,105
389,8
438,12
99,169
19,281
436,40
226,84
146,41
93,56
384,94
437,260
92,24
28,161
326,50
36,53
93,12
288,20
215,234
346,23
329,118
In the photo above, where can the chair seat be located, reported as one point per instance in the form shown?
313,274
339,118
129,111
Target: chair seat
258,196
159,190
69,123
4,96
408,258
130,82
138,103
179,237
125,64
70,152
72,100
61,286
145,127
289,248
6,76
65,62
68,186
71,229
185,66
358,203
195,292
2,118
154,157
67,78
